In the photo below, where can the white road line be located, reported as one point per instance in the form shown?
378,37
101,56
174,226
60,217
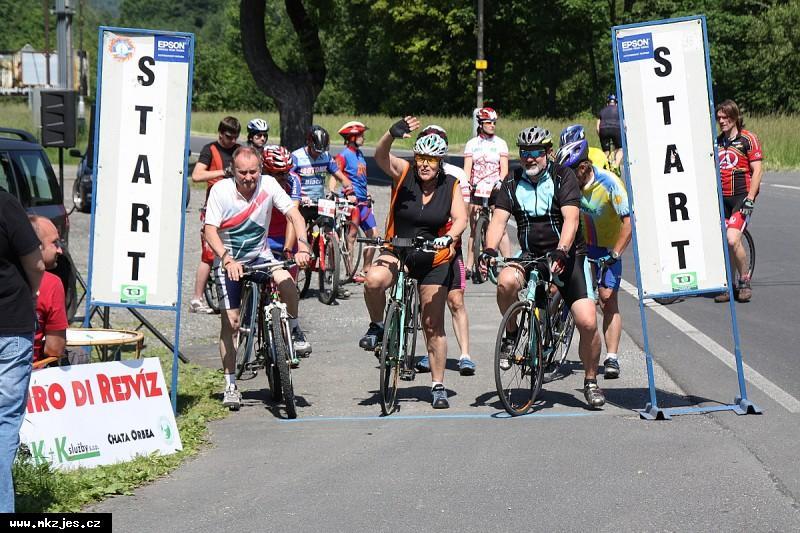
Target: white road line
795,187
789,402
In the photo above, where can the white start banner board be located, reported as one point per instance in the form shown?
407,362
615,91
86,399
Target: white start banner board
663,81
144,96
99,414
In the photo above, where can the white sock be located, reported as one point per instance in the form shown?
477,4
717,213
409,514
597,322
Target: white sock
230,379
464,356
293,323
434,383
611,355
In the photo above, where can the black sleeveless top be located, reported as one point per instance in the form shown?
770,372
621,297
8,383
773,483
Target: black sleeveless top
409,217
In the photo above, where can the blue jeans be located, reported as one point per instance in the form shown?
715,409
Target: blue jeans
16,354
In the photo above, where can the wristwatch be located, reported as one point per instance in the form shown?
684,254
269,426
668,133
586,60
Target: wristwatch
614,254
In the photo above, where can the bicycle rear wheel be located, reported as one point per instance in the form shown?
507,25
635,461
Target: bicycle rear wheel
518,374
411,306
329,275
478,241
750,252
303,281
391,351
281,353
350,256
247,329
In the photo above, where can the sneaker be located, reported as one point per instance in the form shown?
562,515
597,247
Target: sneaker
745,292
199,306
342,293
466,367
372,338
359,277
301,346
594,395
232,398
506,350
722,297
439,400
611,368
424,364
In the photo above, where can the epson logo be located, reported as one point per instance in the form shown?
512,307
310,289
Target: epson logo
635,44
172,45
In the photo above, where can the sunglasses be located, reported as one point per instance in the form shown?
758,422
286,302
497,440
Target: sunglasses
533,154
432,161
259,135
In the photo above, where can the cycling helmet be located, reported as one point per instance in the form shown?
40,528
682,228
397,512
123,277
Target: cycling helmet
318,138
352,129
573,153
572,133
433,129
257,125
534,136
431,144
277,160
612,98
486,113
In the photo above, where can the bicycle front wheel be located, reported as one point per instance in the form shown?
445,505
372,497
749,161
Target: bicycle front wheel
210,292
750,252
248,317
411,306
563,328
281,353
391,353
518,370
329,271
478,241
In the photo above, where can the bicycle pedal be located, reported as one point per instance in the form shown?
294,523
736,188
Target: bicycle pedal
408,375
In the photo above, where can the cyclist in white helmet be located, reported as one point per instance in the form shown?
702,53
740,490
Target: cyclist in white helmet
257,133
424,201
544,198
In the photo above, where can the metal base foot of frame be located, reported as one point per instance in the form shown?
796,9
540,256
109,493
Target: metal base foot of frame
651,412
746,407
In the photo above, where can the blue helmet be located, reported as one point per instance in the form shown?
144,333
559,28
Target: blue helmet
572,133
611,98
573,153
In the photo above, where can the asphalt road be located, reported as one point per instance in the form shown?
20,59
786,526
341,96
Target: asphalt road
340,467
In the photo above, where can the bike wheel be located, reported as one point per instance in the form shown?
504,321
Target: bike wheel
391,351
281,353
750,251
247,328
273,374
478,241
518,375
563,328
329,275
210,292
411,306
350,257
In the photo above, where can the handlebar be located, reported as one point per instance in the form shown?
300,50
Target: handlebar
398,243
248,271
524,261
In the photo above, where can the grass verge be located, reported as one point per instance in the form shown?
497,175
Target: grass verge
43,489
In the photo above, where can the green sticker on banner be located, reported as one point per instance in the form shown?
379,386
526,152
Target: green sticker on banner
133,294
684,281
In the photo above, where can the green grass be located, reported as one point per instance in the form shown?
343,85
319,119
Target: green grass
17,115
42,489
779,134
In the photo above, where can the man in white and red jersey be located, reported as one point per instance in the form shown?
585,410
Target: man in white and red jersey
237,220
486,165
740,170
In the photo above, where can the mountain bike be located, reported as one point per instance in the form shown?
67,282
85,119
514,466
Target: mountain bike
750,252
265,337
325,247
482,190
396,352
350,255
540,338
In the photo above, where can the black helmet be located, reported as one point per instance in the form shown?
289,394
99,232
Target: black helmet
318,138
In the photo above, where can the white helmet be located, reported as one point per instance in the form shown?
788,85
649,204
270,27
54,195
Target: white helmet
257,125
431,144
534,136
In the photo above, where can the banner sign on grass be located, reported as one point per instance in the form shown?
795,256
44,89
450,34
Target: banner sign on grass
98,414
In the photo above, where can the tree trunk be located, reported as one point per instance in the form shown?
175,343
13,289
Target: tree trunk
294,92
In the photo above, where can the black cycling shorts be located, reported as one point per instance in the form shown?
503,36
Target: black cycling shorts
418,266
732,204
576,280
609,134
474,200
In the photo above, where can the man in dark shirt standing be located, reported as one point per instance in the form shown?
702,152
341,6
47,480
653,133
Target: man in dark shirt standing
21,269
214,163
609,130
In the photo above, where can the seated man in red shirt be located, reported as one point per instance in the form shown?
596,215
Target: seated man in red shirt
51,332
